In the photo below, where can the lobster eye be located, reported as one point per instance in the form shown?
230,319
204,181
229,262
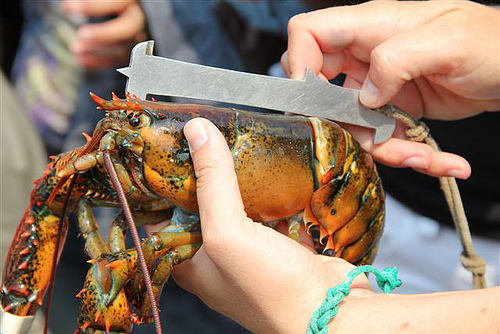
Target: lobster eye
135,122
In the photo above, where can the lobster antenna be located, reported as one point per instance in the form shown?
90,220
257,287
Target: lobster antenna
56,251
135,237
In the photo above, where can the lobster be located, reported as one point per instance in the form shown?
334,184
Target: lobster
291,169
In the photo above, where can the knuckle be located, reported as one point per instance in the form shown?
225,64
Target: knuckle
387,62
296,22
214,244
209,167
210,175
380,59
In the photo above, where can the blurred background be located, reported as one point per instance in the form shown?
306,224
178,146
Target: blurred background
53,53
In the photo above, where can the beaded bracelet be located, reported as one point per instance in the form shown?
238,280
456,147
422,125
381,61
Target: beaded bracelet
387,280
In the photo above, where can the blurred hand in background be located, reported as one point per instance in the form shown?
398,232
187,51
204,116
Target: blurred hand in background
107,43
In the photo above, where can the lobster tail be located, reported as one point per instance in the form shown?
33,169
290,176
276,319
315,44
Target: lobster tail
348,206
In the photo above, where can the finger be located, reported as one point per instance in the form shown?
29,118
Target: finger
409,55
95,8
96,61
284,63
352,28
303,50
286,69
219,200
351,82
125,27
197,274
408,98
343,62
103,49
397,152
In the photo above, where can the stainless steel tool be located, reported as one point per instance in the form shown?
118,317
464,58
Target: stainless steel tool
148,74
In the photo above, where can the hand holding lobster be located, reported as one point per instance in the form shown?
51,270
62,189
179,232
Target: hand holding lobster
276,290
278,273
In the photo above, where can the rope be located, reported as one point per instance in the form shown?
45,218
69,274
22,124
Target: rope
419,132
387,280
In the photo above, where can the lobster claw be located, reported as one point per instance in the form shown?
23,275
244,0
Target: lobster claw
114,271
104,305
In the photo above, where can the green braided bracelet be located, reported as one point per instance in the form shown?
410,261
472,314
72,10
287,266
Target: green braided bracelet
387,280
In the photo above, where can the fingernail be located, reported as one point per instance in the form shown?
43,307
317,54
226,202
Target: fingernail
196,134
455,173
296,75
284,63
370,94
415,162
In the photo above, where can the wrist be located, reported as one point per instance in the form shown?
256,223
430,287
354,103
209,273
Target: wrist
354,308
299,319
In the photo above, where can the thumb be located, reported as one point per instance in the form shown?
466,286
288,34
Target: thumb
219,200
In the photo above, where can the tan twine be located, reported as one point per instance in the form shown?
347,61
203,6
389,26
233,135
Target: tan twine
417,131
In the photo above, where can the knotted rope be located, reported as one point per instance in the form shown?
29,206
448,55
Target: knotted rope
419,132
387,280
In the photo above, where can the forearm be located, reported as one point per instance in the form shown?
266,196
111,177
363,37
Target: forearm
461,311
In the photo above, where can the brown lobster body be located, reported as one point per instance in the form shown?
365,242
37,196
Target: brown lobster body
272,159
289,168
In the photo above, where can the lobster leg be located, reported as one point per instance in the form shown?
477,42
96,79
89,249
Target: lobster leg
110,272
94,242
117,230
161,274
119,226
158,245
182,222
93,311
294,223
104,304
